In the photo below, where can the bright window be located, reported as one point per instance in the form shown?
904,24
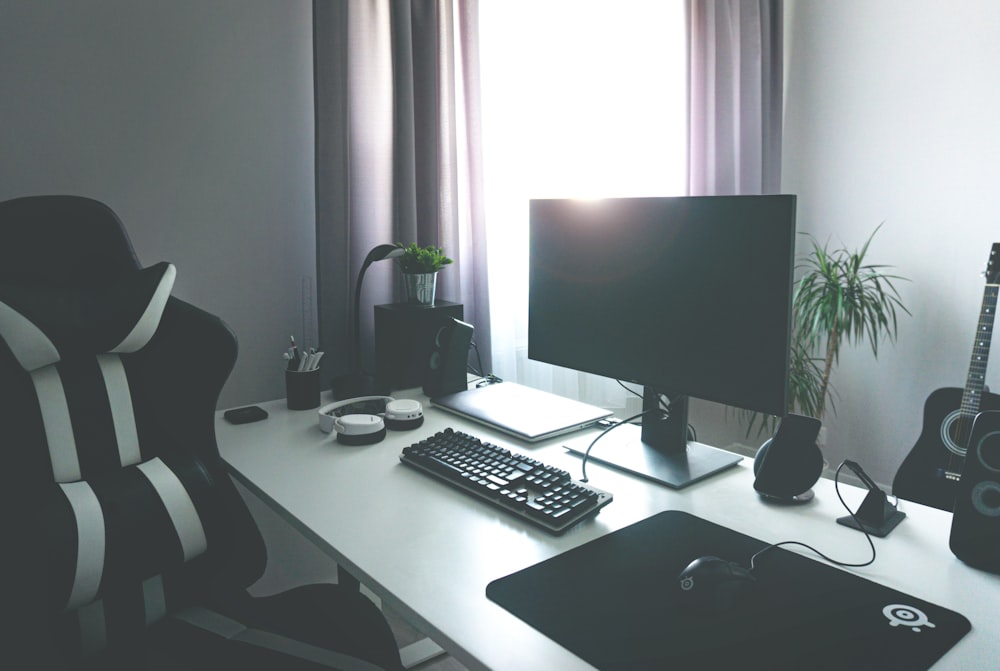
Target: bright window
581,98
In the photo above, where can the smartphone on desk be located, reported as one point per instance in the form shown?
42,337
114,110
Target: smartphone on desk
245,415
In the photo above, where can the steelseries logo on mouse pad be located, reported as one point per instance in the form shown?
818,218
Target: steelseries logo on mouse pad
908,616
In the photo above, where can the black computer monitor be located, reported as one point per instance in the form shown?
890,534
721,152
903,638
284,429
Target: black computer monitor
687,296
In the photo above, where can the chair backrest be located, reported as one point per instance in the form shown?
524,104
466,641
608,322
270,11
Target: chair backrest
108,387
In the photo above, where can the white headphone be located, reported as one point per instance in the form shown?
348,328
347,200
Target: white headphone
364,420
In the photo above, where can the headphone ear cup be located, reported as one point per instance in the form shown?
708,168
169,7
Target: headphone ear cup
359,429
403,415
361,406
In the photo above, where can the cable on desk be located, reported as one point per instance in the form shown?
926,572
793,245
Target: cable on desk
836,486
586,454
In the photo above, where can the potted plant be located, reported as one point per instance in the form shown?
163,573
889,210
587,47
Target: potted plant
420,266
839,298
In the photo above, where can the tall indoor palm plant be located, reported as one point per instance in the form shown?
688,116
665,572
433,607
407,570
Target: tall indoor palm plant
841,299
838,299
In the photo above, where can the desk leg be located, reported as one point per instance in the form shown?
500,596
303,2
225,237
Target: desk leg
411,655
419,652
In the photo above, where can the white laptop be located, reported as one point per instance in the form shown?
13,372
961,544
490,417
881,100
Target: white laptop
526,413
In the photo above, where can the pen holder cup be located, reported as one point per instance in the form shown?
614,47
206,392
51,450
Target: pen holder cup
302,389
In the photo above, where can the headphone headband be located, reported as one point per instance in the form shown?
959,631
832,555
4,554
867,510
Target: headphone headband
363,420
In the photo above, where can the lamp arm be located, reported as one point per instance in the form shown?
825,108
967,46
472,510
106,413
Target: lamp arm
378,253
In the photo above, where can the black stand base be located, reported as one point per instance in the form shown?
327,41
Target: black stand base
798,499
624,449
354,385
875,516
881,530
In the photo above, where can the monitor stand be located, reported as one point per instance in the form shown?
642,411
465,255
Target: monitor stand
659,451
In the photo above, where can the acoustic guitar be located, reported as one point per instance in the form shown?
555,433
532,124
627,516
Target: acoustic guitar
931,471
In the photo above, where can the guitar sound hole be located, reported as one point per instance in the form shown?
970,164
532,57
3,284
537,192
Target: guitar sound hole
954,433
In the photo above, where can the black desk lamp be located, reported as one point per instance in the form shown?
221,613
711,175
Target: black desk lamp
358,382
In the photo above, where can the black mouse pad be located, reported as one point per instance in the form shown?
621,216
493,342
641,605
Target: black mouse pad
613,603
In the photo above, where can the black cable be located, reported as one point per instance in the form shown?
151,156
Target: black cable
586,454
628,389
482,379
836,487
479,359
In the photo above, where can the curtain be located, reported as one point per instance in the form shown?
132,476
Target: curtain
398,159
734,126
734,96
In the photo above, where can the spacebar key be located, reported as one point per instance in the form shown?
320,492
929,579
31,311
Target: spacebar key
454,474
443,467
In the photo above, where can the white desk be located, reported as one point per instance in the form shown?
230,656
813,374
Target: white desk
430,550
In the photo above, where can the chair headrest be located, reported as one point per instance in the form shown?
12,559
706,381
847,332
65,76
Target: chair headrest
62,240
43,325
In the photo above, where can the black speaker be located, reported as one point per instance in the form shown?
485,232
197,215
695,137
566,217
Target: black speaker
790,463
404,336
975,522
449,359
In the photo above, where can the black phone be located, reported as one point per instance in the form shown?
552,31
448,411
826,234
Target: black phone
245,415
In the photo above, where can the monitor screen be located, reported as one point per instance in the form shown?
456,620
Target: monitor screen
688,296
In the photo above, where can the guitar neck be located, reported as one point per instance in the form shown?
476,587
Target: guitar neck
976,380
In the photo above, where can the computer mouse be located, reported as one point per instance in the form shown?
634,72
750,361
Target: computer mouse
712,585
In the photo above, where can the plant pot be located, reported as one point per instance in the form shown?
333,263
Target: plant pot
420,287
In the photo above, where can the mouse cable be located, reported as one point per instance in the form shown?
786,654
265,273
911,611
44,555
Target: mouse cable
586,454
836,486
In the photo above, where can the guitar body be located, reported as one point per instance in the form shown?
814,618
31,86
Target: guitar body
930,472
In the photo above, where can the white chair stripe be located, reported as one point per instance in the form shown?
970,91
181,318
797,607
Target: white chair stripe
58,427
30,346
179,506
154,599
90,534
120,398
150,319
93,628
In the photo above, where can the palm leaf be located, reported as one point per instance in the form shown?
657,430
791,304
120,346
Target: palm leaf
839,298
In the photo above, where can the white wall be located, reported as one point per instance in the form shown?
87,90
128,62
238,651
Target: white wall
893,114
193,120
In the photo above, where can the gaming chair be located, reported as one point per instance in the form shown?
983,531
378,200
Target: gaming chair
127,545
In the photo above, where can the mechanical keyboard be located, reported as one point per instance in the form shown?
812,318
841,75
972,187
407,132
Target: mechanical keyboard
523,486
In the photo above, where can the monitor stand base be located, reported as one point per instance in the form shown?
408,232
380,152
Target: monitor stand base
623,449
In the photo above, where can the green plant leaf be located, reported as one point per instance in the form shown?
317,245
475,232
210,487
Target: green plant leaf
429,259
839,299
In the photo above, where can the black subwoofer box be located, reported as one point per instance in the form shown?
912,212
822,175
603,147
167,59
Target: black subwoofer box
404,337
975,522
